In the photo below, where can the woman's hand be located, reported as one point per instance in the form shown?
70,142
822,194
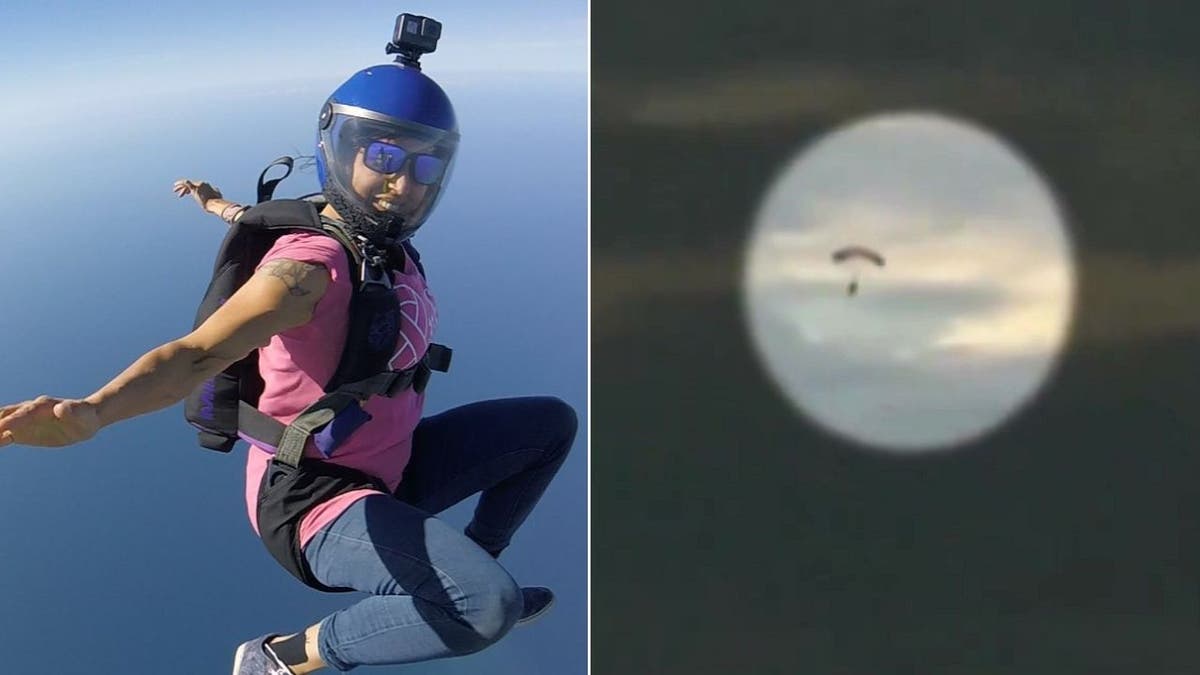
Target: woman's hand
210,199
48,422
201,191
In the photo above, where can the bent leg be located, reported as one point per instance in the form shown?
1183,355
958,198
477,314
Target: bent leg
434,592
508,449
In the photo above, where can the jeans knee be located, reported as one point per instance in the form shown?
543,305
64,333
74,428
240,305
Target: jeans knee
494,609
561,417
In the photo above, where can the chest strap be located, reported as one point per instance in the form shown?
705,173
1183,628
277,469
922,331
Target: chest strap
289,440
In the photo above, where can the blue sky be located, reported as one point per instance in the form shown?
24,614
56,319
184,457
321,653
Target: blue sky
135,545
63,56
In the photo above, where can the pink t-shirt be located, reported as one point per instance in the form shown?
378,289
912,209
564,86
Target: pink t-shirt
297,363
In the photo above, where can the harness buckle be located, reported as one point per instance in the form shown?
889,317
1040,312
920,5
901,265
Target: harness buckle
374,268
375,274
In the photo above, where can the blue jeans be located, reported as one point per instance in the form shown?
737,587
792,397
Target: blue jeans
437,592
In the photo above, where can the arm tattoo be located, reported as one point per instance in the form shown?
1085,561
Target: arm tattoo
291,273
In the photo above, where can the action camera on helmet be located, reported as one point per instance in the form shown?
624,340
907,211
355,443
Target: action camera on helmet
414,36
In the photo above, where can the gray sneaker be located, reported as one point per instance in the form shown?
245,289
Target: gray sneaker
538,600
253,658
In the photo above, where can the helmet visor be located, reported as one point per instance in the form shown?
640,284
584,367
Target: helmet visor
388,168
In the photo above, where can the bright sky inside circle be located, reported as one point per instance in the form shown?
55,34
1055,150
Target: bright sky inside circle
960,325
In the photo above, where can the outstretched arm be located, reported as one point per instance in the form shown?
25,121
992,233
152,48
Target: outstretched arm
210,199
281,295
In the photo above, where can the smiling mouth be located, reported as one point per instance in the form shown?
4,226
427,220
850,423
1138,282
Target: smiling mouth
383,203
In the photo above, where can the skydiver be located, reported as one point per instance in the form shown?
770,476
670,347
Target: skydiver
386,140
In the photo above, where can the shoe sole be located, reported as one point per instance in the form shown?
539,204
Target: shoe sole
534,617
237,659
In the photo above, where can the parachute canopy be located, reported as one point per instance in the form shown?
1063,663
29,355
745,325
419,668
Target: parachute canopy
858,252
856,258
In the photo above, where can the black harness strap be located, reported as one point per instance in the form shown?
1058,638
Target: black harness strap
289,440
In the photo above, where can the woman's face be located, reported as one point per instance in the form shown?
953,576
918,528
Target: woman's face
397,192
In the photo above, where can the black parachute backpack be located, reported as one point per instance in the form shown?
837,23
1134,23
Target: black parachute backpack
223,409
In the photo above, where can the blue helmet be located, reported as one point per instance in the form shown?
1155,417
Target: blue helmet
386,143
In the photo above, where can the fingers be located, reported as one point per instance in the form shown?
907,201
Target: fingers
201,191
18,410
185,186
6,414
9,415
14,411
13,414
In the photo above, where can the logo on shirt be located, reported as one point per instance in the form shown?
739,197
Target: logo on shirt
418,321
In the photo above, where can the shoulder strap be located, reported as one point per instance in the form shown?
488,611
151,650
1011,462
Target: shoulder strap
266,188
334,229
414,255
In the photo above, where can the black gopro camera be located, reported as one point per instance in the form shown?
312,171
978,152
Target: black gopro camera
414,36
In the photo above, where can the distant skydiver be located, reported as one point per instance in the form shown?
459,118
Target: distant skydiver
855,257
